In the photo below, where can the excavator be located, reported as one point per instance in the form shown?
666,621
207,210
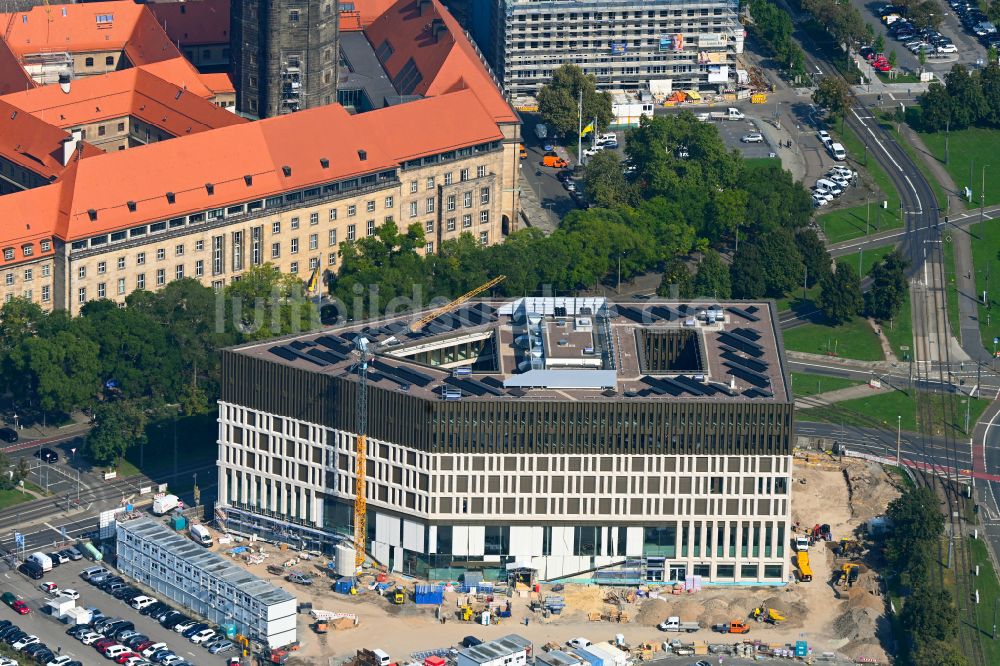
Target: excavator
765,614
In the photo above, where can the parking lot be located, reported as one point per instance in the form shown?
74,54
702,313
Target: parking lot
52,632
732,131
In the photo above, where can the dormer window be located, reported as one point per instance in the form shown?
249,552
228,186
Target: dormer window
46,245
8,254
27,249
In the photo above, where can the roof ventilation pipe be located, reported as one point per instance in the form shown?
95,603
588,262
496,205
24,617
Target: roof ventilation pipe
65,80
70,144
437,27
421,4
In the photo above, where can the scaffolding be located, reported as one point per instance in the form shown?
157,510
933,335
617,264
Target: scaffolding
276,529
45,67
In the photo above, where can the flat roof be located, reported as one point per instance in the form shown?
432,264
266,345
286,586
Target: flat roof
211,563
364,71
558,348
496,649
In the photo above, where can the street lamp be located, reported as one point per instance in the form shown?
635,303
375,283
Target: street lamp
982,193
899,432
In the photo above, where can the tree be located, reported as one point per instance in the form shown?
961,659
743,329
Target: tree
712,278
265,303
814,256
888,289
59,371
840,295
989,82
768,266
558,101
968,105
935,108
605,182
892,58
833,95
117,427
676,281
879,45
6,475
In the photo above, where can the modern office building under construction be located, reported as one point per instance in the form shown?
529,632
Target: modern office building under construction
637,441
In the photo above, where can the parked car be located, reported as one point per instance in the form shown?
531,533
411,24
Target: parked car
752,137
68,593
152,649
221,647
202,636
8,435
300,579
46,454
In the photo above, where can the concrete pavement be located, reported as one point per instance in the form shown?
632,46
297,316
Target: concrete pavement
830,397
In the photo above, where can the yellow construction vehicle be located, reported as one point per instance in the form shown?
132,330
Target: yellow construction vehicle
765,614
398,596
805,571
848,574
466,613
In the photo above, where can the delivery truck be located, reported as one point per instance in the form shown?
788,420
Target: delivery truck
673,623
729,114
165,504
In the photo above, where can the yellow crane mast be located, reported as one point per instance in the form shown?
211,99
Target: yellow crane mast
448,307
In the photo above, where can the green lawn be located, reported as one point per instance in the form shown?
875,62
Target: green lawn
985,248
951,293
847,223
12,497
884,407
989,592
805,384
797,301
970,149
855,339
761,162
917,156
868,259
899,331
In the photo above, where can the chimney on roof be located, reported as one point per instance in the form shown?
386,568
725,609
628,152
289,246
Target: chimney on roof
65,79
210,188
171,198
131,206
248,179
325,163
92,214
421,4
287,170
362,155
70,144
437,27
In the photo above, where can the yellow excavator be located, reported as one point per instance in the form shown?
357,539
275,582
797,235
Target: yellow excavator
765,614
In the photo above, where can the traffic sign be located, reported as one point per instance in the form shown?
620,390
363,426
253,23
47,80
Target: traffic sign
19,539
996,341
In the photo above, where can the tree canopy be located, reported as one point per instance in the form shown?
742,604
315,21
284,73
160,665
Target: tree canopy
966,99
840,297
888,290
559,101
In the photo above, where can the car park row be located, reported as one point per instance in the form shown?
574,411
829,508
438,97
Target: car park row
916,40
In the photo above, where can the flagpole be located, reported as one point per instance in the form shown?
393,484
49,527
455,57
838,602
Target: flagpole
579,133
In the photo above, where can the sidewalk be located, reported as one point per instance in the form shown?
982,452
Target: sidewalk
830,397
534,214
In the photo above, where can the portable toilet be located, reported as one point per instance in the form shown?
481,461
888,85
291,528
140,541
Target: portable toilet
178,522
343,585
230,629
801,649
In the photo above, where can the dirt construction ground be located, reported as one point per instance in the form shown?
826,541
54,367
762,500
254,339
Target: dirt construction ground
843,494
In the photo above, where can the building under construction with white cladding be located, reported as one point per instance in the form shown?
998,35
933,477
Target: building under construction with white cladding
641,441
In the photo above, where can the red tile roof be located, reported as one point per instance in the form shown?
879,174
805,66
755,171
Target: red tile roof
32,143
219,83
76,28
135,92
28,218
194,22
430,126
447,61
12,75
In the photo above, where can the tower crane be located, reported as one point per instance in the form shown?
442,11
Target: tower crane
365,350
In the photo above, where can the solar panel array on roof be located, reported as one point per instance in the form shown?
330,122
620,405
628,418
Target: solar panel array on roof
667,313
406,374
747,314
729,354
755,378
747,333
631,313
742,344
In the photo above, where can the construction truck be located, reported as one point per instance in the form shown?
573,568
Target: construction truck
673,623
765,614
466,613
732,627
398,596
805,571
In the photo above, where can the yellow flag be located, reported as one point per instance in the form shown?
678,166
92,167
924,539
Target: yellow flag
313,285
587,130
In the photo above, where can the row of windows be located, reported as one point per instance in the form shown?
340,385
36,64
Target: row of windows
610,16
29,274
108,61
449,178
27,249
29,294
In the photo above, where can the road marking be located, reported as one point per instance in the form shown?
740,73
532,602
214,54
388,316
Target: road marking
986,435
920,206
876,139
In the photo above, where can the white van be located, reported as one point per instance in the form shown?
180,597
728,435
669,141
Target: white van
829,186
382,656
42,560
201,535
838,152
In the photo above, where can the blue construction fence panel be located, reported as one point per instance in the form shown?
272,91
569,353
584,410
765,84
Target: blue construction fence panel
429,594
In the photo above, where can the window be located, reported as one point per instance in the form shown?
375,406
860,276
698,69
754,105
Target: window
217,258
178,250
314,263
430,205
484,237
451,202
413,209
295,223
467,199
161,254
660,541
333,214
46,293
140,281
100,130
313,219
447,178
484,217
101,291
46,270
121,286
481,171
332,237
313,241
352,210
451,224
463,175
276,227
370,206
237,239
121,263
295,246
413,187
109,60
331,258
82,272
388,202
102,267
121,127
429,248
28,275
587,540
8,279
89,62
81,295
466,221
8,254
199,246
27,250
371,227
484,196
293,15
140,259
293,268
161,277
351,232
46,246
199,268
275,250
